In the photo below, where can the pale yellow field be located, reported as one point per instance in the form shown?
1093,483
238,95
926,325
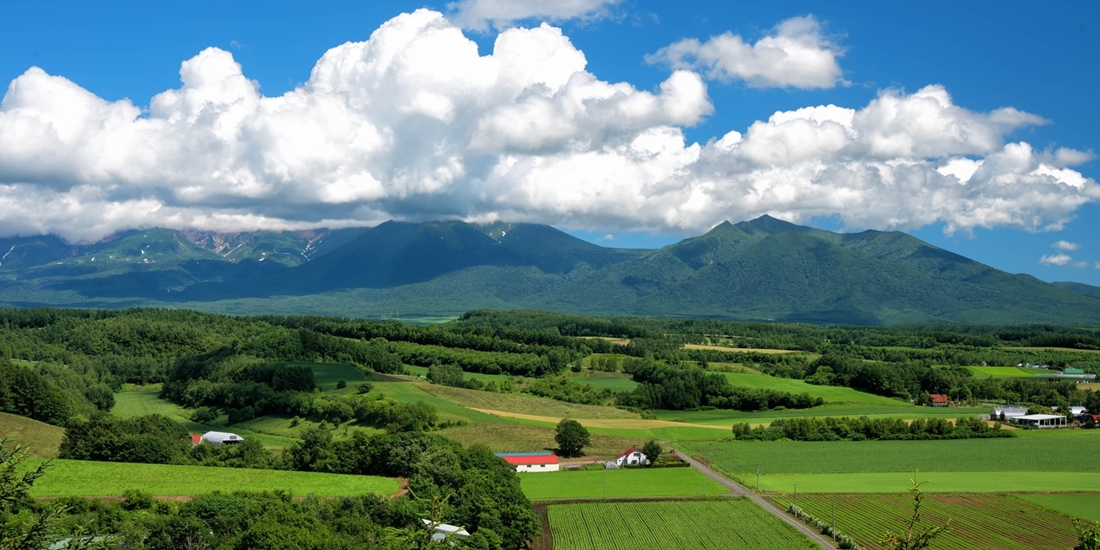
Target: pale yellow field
612,423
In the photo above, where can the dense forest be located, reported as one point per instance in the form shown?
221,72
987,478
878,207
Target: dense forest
62,365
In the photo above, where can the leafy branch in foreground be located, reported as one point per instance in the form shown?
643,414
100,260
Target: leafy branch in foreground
1088,535
911,540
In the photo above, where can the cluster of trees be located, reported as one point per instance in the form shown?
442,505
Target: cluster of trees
448,484
485,493
663,386
864,428
155,439
51,393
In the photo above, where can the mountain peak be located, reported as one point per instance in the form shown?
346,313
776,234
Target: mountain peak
769,224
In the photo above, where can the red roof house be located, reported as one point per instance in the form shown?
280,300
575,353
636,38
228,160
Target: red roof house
532,462
939,400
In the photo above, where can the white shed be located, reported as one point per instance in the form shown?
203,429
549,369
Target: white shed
442,530
219,438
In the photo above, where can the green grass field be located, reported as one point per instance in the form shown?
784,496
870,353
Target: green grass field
423,371
832,394
41,439
145,400
1002,372
652,482
1082,505
1003,481
523,404
81,478
614,381
882,410
978,522
326,375
734,524
1069,451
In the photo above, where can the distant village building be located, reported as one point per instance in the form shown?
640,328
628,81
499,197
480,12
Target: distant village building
221,438
938,400
532,462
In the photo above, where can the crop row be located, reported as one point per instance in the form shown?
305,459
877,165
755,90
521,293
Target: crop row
687,525
976,521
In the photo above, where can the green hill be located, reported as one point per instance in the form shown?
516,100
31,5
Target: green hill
42,439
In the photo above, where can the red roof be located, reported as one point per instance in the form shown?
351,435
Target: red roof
628,451
518,460
196,439
939,398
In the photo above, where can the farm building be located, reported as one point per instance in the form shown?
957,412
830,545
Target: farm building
196,439
442,530
938,400
1041,421
631,456
1007,413
220,438
531,462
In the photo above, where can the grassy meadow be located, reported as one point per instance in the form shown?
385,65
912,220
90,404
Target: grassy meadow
41,439
831,394
85,478
624,483
1082,505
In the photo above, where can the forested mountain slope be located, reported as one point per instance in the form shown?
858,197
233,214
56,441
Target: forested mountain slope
764,269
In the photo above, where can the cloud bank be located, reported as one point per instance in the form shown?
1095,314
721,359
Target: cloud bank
415,124
478,15
796,56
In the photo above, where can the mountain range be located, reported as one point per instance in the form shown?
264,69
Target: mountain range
764,269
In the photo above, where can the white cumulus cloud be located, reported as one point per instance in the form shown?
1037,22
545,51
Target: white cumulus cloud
1056,259
797,55
1065,245
478,15
414,123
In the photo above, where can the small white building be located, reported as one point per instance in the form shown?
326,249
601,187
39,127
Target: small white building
630,457
220,438
532,462
442,531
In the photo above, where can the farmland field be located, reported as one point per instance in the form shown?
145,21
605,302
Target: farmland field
1076,451
896,409
644,482
85,478
326,375
145,400
742,350
939,482
828,393
977,521
41,439
703,525
617,382
423,371
524,404
1002,372
1082,505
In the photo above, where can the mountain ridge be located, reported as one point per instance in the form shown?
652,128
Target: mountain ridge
765,269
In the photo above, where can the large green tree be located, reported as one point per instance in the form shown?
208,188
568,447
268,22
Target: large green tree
571,438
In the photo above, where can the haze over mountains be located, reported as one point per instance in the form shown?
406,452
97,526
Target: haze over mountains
764,269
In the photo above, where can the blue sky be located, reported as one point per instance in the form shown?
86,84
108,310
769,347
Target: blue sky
591,128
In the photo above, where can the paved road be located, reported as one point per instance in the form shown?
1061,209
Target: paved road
739,490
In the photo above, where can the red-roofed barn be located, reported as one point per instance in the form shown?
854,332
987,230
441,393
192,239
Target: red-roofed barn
531,462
